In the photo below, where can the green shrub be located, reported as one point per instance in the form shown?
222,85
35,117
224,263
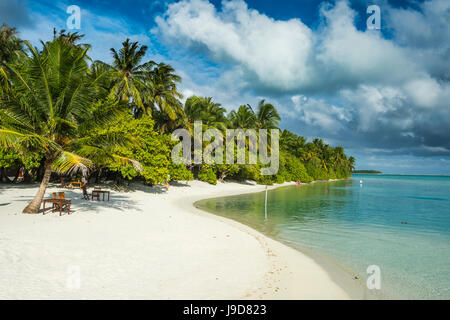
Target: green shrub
207,174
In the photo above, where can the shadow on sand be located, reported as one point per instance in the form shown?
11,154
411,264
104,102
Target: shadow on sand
121,197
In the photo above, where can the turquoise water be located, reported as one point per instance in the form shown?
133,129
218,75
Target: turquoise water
399,223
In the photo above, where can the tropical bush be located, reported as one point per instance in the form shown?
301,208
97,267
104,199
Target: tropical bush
207,174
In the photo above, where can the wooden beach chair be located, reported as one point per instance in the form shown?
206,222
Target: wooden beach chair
95,195
59,202
55,205
62,196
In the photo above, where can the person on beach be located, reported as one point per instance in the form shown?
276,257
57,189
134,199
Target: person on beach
167,182
84,187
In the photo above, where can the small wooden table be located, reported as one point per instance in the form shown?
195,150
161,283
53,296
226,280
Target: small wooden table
71,185
97,193
60,202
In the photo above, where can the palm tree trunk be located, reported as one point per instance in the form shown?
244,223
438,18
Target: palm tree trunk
35,204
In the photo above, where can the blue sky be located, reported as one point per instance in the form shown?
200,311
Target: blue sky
382,94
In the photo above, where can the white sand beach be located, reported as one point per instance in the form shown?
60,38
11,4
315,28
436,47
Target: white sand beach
150,244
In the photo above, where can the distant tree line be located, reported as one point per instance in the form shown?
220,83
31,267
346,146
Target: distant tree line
367,171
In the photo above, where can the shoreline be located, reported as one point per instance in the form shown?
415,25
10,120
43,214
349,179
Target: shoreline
150,244
339,274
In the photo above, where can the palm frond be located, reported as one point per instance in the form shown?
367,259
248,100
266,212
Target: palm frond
125,161
70,163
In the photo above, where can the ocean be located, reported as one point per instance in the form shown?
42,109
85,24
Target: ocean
397,225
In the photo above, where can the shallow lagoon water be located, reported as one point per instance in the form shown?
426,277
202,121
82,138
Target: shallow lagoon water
399,223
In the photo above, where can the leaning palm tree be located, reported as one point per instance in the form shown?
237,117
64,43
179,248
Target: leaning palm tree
50,106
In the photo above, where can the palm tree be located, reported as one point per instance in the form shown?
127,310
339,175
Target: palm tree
351,163
243,118
11,47
161,90
267,116
308,152
10,44
292,143
50,106
69,37
129,74
212,114
202,109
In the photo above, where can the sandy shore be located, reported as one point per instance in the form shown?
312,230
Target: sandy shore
151,244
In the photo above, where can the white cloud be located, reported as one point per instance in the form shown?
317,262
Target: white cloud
275,52
347,56
287,55
317,112
424,92
383,91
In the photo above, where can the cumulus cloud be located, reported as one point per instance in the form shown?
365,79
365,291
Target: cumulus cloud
386,93
425,35
273,52
287,56
318,112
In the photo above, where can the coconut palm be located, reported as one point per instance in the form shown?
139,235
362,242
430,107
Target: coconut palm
129,73
69,37
351,163
243,118
292,143
267,116
51,107
212,114
10,44
203,109
161,91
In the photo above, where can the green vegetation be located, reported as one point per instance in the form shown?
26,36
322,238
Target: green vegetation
61,112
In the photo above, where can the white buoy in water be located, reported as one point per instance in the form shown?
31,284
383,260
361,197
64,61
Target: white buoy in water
265,206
